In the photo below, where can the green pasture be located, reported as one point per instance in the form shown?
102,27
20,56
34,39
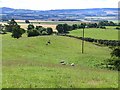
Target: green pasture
30,63
108,34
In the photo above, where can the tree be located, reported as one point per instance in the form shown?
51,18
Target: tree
83,25
30,26
114,62
17,31
116,52
65,28
112,23
12,22
59,28
74,26
49,30
33,32
27,21
2,29
10,26
38,27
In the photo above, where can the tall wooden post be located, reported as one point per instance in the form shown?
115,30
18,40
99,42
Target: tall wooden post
83,42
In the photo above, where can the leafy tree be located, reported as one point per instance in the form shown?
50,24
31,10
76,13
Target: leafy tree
49,30
65,28
27,21
83,25
107,23
30,26
33,32
118,28
112,23
22,30
102,27
116,52
59,28
114,62
74,26
12,22
17,31
38,27
10,25
92,25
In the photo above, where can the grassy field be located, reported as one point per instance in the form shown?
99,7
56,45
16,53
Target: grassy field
30,63
110,33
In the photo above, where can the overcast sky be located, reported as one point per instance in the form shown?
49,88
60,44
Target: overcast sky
58,4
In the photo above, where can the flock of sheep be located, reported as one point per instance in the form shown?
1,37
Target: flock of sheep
62,62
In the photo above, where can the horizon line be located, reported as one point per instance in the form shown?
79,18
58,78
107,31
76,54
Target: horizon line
61,9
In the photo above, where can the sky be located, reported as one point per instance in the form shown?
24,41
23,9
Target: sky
58,4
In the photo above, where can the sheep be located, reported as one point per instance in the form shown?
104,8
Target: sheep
72,64
49,42
62,61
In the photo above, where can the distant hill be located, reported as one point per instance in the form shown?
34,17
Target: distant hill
60,14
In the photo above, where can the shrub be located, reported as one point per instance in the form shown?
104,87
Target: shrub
33,32
10,26
27,21
49,30
114,62
118,28
17,32
30,26
102,27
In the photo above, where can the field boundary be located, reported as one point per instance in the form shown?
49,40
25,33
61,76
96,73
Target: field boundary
97,41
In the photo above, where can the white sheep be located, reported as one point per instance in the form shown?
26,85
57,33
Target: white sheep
62,61
72,64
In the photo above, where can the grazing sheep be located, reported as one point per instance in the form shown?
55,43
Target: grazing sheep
72,64
49,42
62,61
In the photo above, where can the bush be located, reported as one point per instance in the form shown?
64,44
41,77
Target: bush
49,30
27,21
10,26
30,26
33,32
22,30
17,32
102,27
118,28
114,62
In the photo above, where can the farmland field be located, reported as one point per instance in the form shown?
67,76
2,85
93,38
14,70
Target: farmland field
109,34
35,23
30,63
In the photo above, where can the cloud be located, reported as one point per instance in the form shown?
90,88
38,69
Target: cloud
58,4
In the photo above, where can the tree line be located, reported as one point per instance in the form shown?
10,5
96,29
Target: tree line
17,31
38,30
98,41
65,28
32,30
